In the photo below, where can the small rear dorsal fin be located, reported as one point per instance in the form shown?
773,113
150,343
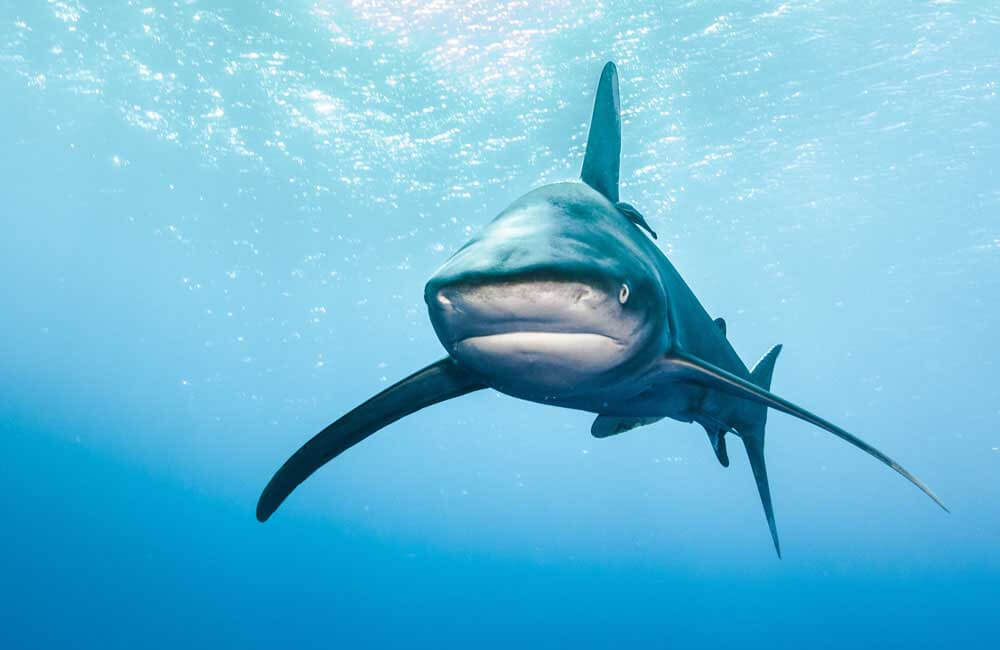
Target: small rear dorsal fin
602,161
762,371
633,215
721,324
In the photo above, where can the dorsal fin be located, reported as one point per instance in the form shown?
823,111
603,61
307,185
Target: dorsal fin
602,161
762,371
721,324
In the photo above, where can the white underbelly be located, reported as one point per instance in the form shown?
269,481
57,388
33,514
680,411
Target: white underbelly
543,361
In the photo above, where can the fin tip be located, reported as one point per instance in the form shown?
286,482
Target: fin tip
774,535
263,511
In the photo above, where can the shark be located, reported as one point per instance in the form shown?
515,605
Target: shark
565,299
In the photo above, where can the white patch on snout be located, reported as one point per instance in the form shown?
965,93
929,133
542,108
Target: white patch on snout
540,299
541,305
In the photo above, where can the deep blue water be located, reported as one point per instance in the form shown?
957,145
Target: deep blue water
217,223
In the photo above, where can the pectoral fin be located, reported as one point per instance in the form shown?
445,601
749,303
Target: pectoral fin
710,375
610,425
436,383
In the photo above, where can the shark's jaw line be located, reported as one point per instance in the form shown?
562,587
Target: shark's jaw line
596,352
540,338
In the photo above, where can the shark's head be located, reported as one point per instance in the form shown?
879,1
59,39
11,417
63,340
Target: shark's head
556,297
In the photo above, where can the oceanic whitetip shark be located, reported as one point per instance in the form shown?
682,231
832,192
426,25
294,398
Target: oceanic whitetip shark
563,299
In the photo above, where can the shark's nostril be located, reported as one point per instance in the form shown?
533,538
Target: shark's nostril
443,299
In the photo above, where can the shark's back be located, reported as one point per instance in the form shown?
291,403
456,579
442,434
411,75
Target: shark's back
692,327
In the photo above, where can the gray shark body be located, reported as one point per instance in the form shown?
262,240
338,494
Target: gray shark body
563,299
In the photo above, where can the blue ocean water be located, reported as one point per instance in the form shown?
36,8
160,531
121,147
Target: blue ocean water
217,222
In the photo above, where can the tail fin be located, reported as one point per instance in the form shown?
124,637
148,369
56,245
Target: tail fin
753,441
752,431
715,377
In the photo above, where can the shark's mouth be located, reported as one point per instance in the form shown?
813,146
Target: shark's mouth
550,361
596,351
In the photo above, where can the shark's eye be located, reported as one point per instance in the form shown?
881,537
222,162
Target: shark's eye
623,294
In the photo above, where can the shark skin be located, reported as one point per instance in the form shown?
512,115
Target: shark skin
563,299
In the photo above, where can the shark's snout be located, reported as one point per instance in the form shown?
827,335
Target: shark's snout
545,334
